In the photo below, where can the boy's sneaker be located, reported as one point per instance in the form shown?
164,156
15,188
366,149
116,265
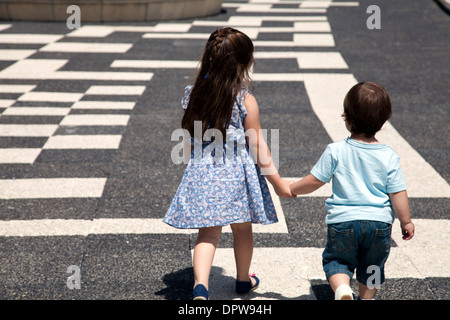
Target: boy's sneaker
343,292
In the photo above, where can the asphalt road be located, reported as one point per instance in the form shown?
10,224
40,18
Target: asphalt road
96,202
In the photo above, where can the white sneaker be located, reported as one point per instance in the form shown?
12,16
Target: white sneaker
343,292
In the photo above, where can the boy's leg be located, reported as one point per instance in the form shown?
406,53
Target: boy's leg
204,253
340,283
243,249
365,293
373,255
338,279
340,257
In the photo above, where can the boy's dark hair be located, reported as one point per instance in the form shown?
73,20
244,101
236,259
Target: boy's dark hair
366,108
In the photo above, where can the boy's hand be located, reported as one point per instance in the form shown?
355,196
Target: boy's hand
282,189
407,230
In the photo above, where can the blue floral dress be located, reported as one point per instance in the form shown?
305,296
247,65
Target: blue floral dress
218,193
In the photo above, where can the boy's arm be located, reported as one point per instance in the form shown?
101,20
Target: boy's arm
400,205
306,185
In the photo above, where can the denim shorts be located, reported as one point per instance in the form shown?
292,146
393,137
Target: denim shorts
362,245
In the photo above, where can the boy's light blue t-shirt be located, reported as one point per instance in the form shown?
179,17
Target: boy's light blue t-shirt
362,176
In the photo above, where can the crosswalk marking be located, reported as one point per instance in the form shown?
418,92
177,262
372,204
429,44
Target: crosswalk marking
47,69
116,90
95,120
83,142
296,266
27,130
87,47
19,155
51,188
29,38
50,96
15,54
112,105
36,111
176,64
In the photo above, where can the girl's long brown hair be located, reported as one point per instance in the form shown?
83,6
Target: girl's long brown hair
225,65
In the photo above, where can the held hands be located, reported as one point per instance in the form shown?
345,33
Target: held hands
282,189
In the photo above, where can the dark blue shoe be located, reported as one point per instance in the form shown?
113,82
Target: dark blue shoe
200,292
243,287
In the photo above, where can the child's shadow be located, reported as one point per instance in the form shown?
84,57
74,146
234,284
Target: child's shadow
180,284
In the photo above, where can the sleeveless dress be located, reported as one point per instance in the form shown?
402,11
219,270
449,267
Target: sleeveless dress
219,193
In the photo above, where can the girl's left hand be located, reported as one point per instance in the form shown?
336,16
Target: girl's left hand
283,190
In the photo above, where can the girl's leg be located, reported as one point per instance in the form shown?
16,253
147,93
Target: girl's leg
204,253
243,249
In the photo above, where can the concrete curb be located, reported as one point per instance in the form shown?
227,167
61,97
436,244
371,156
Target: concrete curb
108,10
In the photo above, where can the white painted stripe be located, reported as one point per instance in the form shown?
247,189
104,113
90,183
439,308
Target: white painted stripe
46,69
36,111
27,130
314,40
155,64
110,105
74,227
116,90
172,27
95,120
4,103
87,47
51,96
307,60
83,142
106,30
29,38
315,4
5,26
44,227
426,253
94,75
200,36
345,4
321,60
32,69
277,77
30,228
16,88
327,105
236,20
92,31
52,188
15,54
18,155
312,26
267,8
253,21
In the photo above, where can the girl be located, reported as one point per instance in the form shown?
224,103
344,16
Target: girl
218,189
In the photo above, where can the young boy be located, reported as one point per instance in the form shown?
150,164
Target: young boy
368,187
